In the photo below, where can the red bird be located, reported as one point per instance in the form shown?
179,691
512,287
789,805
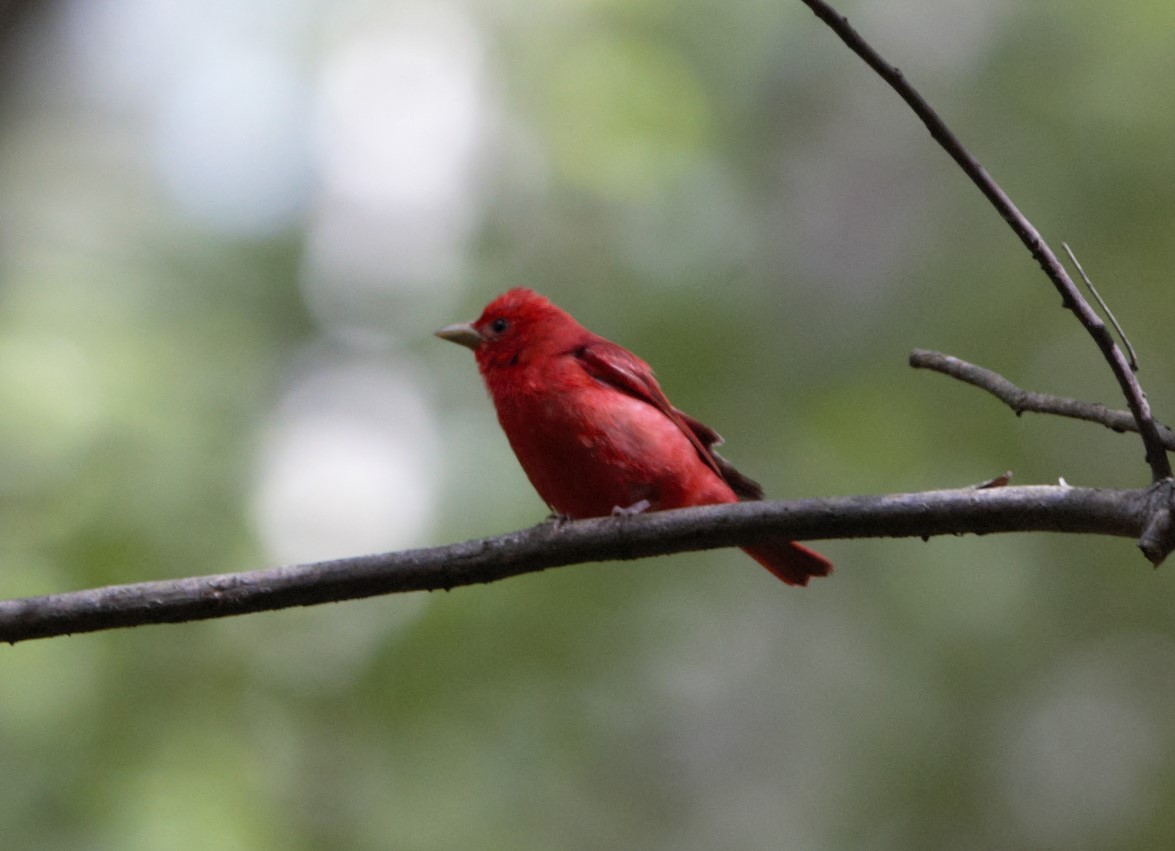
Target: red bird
593,430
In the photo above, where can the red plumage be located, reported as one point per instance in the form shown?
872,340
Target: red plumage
593,429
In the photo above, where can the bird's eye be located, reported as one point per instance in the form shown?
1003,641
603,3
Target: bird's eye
499,325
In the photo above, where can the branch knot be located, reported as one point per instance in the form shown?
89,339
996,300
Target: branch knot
1158,535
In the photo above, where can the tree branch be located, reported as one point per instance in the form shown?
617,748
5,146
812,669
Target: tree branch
1127,513
1020,400
1147,515
1071,296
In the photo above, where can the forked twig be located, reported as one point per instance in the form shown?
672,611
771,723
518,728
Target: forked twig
1105,307
1020,400
1156,455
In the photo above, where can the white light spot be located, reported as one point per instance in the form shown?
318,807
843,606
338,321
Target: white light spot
401,114
230,143
344,469
401,132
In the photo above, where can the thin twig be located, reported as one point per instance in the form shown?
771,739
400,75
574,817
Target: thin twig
1125,513
1071,296
1131,356
1020,400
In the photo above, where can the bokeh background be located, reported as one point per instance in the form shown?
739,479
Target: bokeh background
227,231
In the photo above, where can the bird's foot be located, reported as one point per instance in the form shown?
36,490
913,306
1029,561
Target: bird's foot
558,520
638,507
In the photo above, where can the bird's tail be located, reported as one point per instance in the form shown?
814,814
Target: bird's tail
793,563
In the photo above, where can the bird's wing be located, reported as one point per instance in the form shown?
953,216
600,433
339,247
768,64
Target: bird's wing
616,366
744,486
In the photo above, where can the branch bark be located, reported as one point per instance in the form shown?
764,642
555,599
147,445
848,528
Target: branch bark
1071,296
1020,400
1126,513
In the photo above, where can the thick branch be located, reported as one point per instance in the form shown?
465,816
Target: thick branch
1071,296
1021,509
1020,400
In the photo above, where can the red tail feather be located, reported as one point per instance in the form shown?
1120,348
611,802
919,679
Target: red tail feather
793,563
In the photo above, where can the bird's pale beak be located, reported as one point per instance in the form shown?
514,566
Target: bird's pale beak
461,333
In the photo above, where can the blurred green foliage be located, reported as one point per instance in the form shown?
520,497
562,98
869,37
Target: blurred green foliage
722,188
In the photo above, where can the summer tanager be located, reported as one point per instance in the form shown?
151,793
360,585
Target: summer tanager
593,429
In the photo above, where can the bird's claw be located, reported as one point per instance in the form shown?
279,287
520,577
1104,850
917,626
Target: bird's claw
558,520
638,507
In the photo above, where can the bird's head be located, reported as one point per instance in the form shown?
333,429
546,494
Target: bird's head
513,328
